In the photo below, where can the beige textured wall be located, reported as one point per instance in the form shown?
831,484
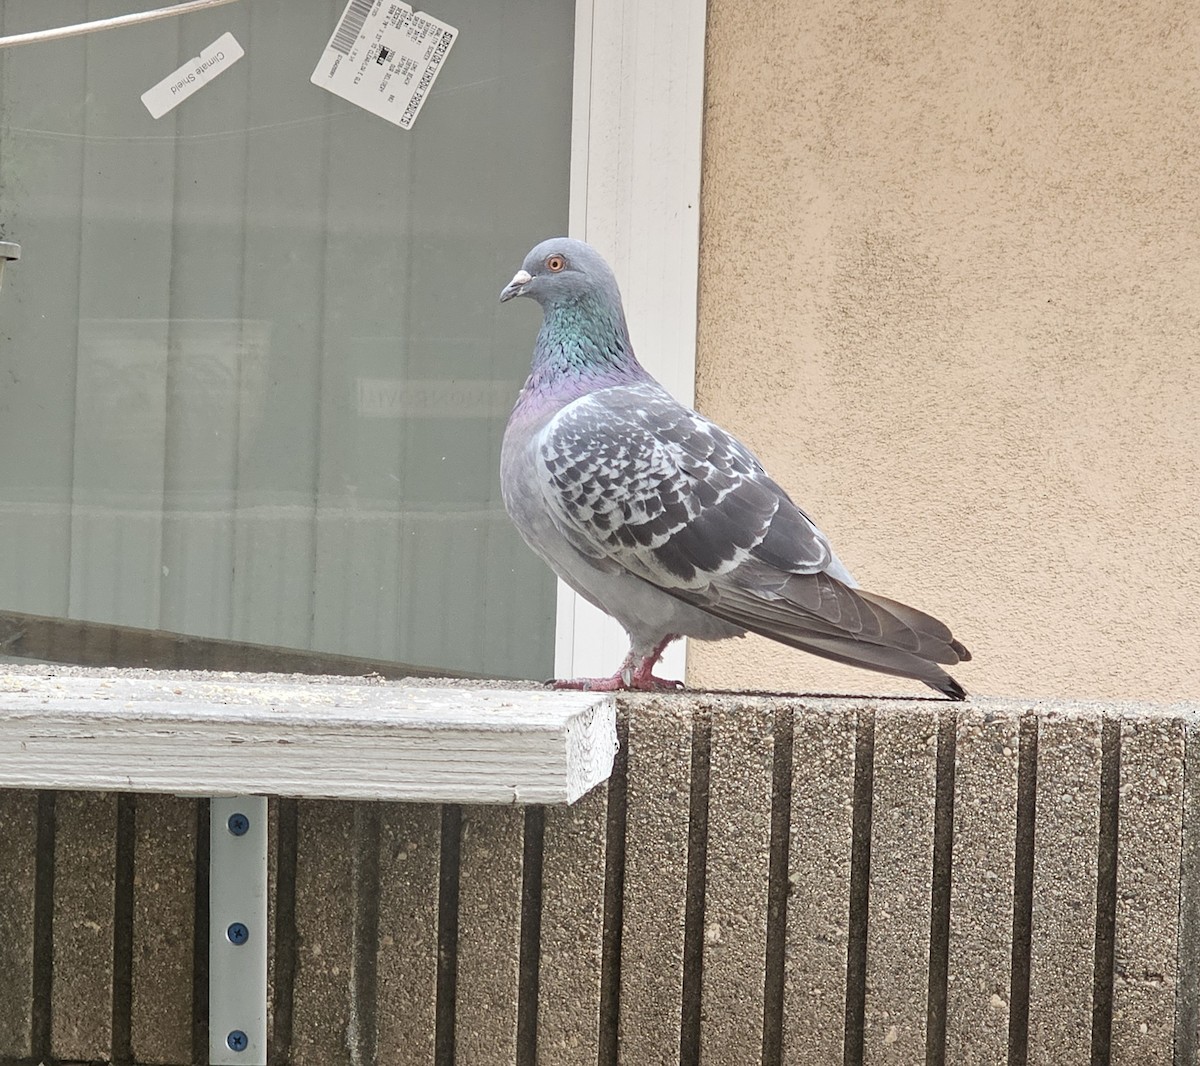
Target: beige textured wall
950,292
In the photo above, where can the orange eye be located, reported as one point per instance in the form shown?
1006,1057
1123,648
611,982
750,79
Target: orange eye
555,263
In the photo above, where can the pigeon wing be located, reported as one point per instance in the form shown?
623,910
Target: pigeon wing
632,476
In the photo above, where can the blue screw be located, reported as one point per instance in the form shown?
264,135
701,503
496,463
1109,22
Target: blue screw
239,824
237,1040
237,933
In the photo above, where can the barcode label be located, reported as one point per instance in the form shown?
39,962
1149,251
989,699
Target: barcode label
351,26
385,58
418,97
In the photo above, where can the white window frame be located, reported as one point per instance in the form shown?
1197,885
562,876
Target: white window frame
636,129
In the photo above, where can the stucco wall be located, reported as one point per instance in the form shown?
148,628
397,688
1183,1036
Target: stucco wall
950,292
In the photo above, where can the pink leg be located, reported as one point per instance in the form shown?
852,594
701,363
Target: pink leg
638,677
643,677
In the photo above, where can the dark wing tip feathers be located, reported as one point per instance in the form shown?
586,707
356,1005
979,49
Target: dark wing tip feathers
928,626
950,688
903,641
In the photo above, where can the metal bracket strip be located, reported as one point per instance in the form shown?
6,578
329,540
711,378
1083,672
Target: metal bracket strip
237,931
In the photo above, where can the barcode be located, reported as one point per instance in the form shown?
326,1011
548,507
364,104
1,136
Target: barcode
418,96
350,26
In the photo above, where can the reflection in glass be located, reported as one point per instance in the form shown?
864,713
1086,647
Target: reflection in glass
253,374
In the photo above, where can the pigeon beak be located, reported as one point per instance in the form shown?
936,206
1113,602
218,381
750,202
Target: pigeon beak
516,287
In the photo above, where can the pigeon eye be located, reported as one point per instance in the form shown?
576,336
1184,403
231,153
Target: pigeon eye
555,263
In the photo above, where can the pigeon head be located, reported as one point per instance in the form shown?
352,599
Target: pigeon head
584,341
563,271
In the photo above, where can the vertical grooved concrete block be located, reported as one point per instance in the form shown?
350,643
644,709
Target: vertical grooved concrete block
658,799
18,862
324,1011
164,912
489,935
735,897
572,935
818,908
409,866
1064,888
272,889
1150,831
362,985
981,889
901,886
84,860
1187,969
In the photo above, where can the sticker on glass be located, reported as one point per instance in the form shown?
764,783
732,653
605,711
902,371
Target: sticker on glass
384,57
197,72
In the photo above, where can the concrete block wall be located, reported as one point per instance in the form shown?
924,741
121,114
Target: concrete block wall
765,880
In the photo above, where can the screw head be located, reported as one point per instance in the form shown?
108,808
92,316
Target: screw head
237,1040
238,824
237,933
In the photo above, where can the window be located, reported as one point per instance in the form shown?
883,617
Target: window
253,374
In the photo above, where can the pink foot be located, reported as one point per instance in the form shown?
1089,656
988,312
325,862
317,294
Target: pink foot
651,683
629,678
646,682
593,684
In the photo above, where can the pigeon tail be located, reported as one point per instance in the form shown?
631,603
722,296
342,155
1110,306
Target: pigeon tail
895,639
873,657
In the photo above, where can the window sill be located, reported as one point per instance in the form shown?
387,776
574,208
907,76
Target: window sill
221,734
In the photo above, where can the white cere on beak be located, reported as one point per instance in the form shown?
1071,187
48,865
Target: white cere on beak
516,287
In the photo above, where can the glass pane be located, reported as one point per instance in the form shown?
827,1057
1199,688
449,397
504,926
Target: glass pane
253,371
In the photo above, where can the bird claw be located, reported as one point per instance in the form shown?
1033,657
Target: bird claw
591,684
620,682
651,683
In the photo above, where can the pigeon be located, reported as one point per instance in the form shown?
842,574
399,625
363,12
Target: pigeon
662,519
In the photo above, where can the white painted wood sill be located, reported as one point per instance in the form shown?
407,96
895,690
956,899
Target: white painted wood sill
200,734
